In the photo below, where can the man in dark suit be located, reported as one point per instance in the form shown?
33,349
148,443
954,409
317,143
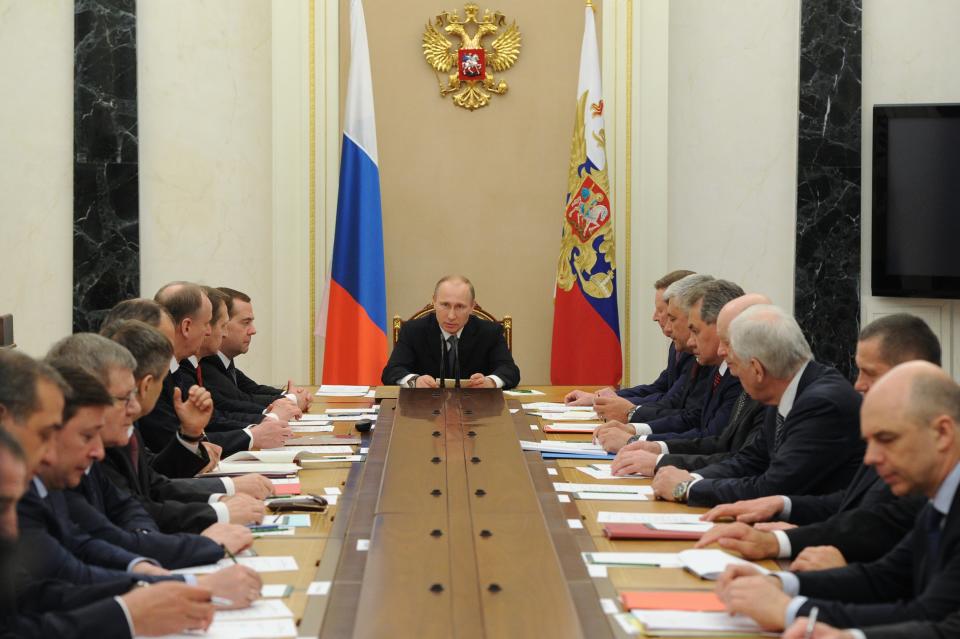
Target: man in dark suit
874,525
220,373
946,628
678,362
645,458
60,609
688,390
705,302
450,343
911,422
809,442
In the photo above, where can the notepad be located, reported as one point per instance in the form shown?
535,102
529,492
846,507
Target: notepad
333,390
587,496
281,563
602,471
293,521
679,622
672,600
563,487
651,559
562,447
311,418
276,590
300,429
708,563
604,517
288,454
555,407
572,415
572,428
244,467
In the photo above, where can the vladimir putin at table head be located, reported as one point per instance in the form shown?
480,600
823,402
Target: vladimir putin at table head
452,338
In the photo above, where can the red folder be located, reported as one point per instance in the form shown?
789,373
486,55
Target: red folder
286,489
643,531
672,600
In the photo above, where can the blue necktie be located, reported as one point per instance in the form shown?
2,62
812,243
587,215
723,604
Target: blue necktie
934,519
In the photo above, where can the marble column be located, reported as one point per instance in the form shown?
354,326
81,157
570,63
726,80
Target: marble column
827,280
106,242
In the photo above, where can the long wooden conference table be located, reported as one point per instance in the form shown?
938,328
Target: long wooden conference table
449,529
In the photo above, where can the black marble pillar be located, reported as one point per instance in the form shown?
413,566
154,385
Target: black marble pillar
827,280
106,242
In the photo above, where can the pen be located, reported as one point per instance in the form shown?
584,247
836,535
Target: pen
811,623
220,602
229,554
256,529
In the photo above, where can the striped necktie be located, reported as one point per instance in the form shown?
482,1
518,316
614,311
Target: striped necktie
778,435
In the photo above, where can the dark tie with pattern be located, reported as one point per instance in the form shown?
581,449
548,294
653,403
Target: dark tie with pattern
452,357
232,371
199,376
133,447
716,381
737,407
934,520
778,434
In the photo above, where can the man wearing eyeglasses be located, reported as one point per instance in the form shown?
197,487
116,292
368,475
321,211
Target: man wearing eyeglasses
453,343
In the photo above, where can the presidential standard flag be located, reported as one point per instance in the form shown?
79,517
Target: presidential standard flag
586,326
356,336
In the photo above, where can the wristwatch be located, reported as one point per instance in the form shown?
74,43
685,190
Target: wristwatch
631,414
680,490
191,439
412,382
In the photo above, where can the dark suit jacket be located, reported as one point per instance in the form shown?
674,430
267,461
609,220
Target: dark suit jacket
866,487
947,628
864,533
177,505
483,349
240,414
710,419
161,425
693,454
51,546
820,450
219,380
906,584
103,511
685,398
676,368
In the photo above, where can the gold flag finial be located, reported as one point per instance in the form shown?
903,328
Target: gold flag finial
590,3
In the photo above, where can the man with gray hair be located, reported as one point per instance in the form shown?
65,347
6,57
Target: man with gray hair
689,389
809,442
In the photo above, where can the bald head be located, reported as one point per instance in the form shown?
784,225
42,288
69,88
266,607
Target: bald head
910,423
729,311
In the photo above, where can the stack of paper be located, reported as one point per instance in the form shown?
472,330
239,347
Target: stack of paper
259,564
568,450
288,454
265,619
570,415
649,559
701,624
604,517
245,467
602,471
710,564
571,427
332,390
562,487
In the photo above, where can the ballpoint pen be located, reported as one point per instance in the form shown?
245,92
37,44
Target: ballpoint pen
811,623
229,554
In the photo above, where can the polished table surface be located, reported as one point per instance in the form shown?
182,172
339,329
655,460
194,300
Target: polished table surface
319,549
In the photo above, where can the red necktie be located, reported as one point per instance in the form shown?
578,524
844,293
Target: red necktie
134,450
199,375
716,379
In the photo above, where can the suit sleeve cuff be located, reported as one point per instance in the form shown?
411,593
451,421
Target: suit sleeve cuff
642,429
856,633
250,435
783,542
228,487
223,513
192,447
793,610
496,380
790,582
126,615
215,497
787,509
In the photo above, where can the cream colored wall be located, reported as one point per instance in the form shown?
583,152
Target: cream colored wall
36,169
910,55
732,165
476,192
206,163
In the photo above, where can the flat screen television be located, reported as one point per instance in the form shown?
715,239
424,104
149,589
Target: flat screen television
916,201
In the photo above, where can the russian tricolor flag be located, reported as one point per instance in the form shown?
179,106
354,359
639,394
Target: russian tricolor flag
356,336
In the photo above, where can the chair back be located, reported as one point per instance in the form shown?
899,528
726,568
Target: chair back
6,331
478,311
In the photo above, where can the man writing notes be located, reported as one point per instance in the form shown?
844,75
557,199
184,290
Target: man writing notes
453,341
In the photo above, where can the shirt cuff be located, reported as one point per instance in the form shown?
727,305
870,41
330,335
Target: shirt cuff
140,560
190,580
192,447
786,510
228,486
292,397
642,429
223,513
250,435
785,550
215,497
271,415
406,378
856,633
663,449
496,380
126,615
790,582
696,477
793,609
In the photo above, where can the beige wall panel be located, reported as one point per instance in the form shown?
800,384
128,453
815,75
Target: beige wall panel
480,193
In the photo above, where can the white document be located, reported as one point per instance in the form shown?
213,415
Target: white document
274,590
702,526
350,418
280,481
311,418
332,459
556,407
318,588
679,622
244,467
570,415
281,563
297,428
708,563
586,495
257,629
259,609
299,520
574,427
607,517
524,392
563,487
332,490
655,559
562,447
354,411
603,472
332,390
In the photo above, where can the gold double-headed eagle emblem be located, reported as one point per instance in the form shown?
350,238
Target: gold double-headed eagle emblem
472,79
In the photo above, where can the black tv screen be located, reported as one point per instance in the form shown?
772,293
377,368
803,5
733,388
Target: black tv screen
916,201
